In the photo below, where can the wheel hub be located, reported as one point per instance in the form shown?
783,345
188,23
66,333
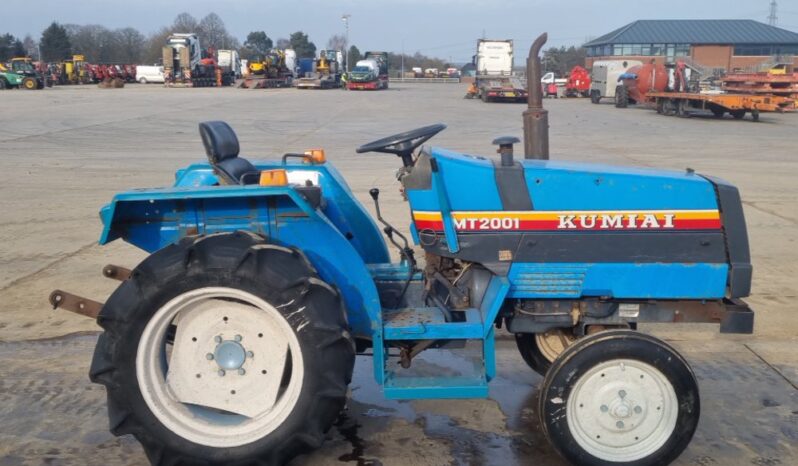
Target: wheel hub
230,355
625,408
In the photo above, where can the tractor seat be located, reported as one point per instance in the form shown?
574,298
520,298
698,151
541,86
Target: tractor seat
221,146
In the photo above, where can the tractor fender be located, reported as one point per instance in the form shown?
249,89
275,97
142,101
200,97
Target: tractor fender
152,219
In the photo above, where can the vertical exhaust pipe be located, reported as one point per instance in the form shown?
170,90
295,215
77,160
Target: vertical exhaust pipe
536,118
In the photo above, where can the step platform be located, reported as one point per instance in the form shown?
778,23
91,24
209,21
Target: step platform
446,370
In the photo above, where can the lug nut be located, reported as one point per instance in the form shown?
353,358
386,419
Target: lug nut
217,338
604,408
238,338
221,372
250,354
619,424
241,371
209,356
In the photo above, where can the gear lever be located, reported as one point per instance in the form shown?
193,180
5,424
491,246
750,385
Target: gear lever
404,249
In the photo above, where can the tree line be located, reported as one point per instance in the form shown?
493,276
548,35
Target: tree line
99,44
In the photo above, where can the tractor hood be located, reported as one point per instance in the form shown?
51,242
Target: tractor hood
557,214
480,183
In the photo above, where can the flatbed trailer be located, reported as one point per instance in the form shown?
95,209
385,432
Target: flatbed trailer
261,82
501,88
737,105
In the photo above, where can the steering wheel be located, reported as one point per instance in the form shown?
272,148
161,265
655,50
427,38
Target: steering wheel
402,144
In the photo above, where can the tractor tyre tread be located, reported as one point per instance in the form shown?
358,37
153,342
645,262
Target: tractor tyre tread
275,274
529,350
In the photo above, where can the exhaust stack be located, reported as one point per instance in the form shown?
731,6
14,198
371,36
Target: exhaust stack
536,118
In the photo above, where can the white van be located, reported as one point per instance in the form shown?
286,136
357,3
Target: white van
149,74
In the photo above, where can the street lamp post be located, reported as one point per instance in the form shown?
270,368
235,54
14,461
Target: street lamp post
345,19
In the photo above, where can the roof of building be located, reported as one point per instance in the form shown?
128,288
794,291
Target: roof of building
697,31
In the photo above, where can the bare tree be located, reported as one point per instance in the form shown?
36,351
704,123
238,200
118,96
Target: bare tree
185,23
31,47
131,45
337,42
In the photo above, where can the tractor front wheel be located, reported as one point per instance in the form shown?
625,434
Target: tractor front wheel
224,349
619,397
29,83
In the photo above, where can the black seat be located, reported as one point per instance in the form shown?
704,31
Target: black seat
221,146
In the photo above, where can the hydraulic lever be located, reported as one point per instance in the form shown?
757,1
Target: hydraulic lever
404,249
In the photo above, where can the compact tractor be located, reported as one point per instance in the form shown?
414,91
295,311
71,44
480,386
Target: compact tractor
235,340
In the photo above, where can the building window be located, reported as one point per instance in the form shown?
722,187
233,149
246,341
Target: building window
617,50
657,49
682,50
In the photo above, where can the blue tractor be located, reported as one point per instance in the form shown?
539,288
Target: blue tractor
234,341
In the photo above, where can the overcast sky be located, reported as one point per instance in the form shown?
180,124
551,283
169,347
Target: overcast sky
443,28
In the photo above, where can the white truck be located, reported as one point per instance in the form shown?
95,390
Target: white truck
230,62
494,79
604,77
494,57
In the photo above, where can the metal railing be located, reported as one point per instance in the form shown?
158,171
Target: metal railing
426,80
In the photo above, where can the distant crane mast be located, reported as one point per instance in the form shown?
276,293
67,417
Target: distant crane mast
773,18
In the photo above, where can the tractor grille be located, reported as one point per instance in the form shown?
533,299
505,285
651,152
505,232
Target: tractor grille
546,281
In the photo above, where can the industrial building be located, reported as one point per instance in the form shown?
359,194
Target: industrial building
717,44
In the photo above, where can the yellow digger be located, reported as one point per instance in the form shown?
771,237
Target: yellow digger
74,71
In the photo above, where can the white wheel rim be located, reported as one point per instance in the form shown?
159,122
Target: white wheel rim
553,342
188,395
622,410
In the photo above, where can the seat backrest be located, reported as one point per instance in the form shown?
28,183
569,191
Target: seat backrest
220,141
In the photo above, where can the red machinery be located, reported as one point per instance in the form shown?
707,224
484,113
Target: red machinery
578,83
638,81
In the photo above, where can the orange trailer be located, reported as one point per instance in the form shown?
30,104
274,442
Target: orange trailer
737,105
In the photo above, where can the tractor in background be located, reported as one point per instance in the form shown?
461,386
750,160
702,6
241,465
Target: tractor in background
326,72
32,77
234,341
10,79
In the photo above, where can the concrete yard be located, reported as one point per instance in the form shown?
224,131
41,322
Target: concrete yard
67,150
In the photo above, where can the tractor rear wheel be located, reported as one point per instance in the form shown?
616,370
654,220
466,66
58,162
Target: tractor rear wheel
621,97
539,350
619,397
738,114
224,349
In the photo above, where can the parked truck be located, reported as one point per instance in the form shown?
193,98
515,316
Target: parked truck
494,80
230,63
185,64
370,73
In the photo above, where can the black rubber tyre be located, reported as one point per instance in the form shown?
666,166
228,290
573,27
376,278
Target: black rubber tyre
738,114
529,350
246,262
29,83
3,84
621,97
717,112
755,114
579,358
484,97
595,96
